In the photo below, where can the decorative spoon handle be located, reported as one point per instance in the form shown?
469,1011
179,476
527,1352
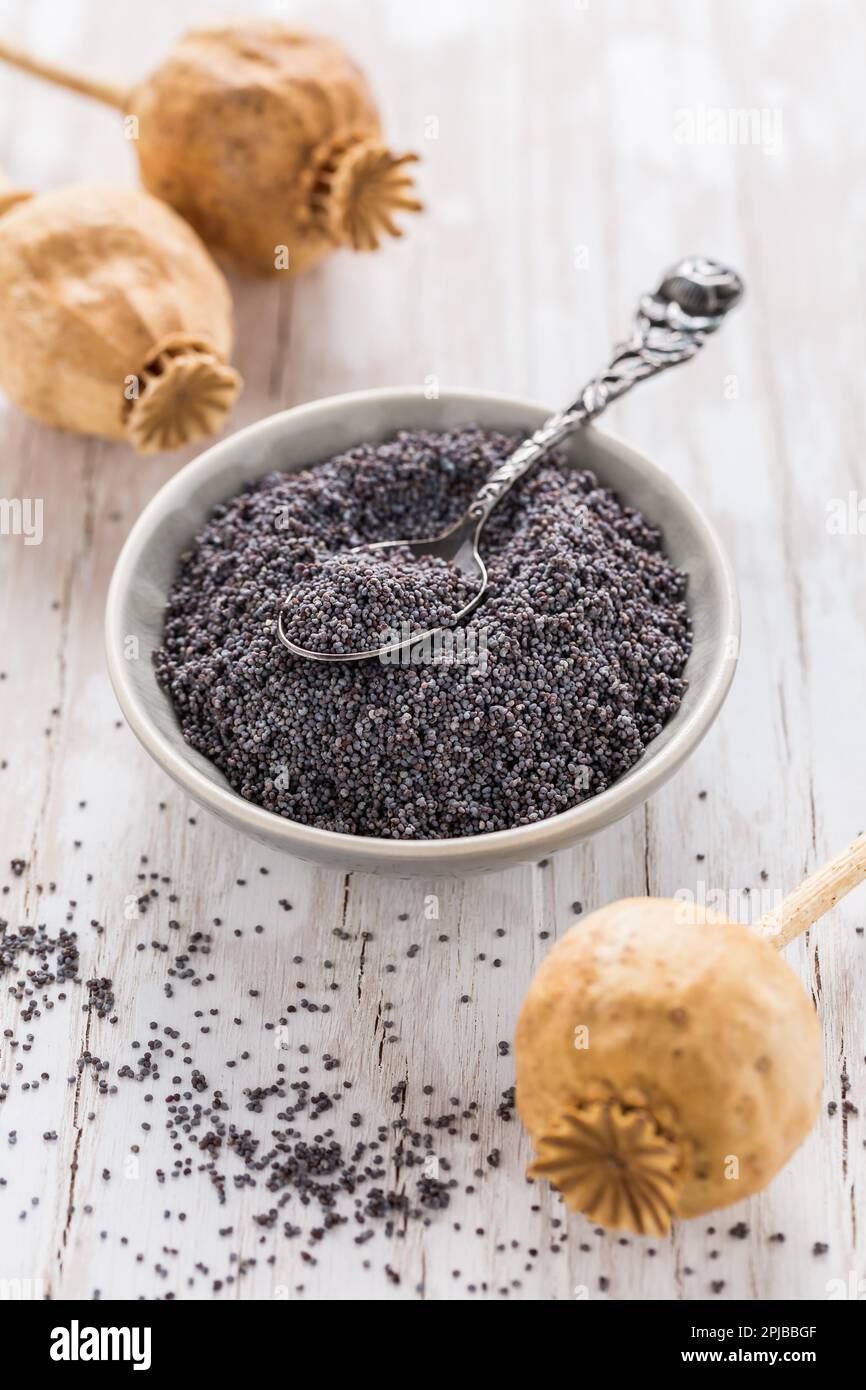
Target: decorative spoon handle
670,326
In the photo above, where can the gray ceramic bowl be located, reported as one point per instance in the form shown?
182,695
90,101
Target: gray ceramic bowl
310,433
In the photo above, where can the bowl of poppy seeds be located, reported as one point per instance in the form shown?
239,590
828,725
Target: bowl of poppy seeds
595,664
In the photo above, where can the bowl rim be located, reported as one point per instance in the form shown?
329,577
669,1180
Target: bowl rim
512,845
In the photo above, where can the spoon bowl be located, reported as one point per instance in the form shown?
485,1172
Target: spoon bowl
458,546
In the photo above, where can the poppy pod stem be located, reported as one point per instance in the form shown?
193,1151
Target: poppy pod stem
815,896
88,86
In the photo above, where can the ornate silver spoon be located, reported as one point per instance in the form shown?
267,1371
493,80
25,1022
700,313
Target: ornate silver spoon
670,326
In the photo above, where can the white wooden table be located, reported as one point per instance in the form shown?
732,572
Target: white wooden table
566,159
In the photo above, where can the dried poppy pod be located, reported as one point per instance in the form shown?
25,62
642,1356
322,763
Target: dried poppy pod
668,1061
114,320
10,195
266,139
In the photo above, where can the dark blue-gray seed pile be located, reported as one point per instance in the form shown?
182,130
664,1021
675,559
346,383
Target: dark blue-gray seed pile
585,635
360,601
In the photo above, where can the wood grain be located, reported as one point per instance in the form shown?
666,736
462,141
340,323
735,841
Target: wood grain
557,185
